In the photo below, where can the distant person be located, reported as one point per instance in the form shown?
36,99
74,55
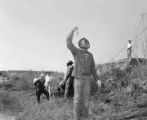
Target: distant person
68,80
35,79
129,50
48,81
99,83
40,88
83,71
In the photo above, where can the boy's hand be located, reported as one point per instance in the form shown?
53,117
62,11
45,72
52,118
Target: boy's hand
75,29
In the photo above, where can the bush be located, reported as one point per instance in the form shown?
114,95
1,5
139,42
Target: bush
7,102
7,84
23,84
115,78
22,80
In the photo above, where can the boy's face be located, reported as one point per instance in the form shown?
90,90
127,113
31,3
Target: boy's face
84,44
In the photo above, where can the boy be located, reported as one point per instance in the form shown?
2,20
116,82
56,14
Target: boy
83,71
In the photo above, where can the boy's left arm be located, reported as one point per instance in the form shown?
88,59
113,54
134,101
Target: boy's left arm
93,70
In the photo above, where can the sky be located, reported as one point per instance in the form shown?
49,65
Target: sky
33,32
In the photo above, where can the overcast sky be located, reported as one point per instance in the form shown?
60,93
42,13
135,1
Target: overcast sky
33,32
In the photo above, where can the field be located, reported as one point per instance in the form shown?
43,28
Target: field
122,97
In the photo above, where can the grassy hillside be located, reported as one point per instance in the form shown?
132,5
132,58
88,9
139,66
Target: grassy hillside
122,97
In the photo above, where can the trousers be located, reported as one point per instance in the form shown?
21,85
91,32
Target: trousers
39,91
129,54
69,87
81,97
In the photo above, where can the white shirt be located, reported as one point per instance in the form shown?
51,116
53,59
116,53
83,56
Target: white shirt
48,79
35,79
129,46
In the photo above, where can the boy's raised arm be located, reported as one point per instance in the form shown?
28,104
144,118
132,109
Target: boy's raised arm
69,42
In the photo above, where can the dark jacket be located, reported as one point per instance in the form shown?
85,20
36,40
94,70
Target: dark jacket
39,84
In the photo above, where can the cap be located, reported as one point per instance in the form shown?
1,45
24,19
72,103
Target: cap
70,62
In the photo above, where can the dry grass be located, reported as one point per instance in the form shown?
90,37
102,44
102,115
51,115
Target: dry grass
60,109
111,103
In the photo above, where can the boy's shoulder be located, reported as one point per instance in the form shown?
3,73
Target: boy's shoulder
90,53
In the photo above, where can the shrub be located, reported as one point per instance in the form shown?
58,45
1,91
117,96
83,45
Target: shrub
23,84
22,80
7,102
7,84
